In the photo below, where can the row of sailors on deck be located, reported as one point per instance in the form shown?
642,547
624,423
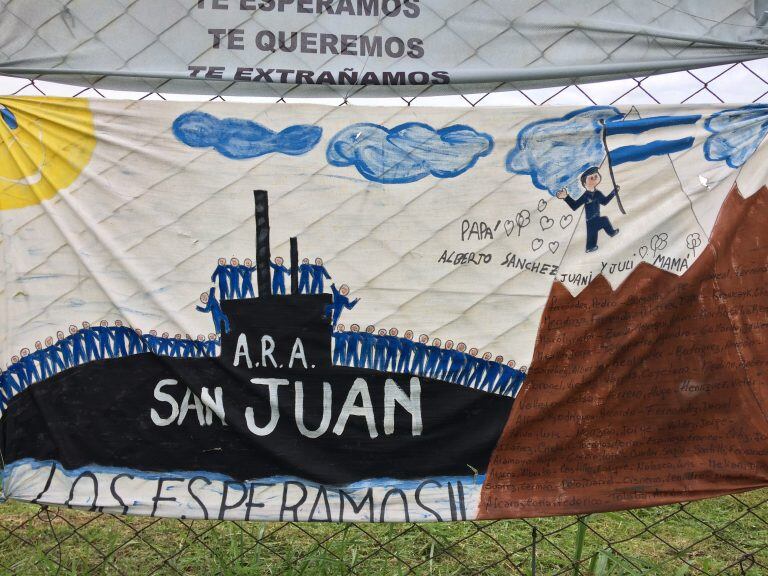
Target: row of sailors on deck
386,351
97,343
235,280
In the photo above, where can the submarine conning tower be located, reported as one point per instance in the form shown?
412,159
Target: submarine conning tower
283,318
263,250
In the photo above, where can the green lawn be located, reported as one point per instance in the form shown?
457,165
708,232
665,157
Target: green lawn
706,537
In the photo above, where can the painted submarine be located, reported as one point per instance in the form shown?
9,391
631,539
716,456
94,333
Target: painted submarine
272,404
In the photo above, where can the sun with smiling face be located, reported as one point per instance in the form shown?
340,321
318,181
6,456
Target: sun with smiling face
44,145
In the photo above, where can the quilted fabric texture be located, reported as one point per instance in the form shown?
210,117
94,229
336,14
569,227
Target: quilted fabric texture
582,254
139,232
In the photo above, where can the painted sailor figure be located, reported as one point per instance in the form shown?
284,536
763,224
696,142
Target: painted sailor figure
278,276
368,343
221,276
592,199
340,340
354,339
210,304
305,276
318,273
341,302
246,271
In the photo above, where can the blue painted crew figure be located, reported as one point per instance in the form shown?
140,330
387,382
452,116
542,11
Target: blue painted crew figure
187,347
340,340
407,346
368,342
380,350
212,343
318,273
246,272
305,276
492,373
220,320
28,364
458,361
592,199
120,338
419,355
221,276
7,388
434,352
445,360
91,342
507,378
16,369
517,381
164,346
354,339
471,364
136,343
340,302
477,379
153,341
66,352
394,349
278,276
75,340
104,335
235,279
41,358
201,347
175,351
52,352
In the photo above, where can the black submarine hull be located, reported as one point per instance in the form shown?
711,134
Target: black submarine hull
109,413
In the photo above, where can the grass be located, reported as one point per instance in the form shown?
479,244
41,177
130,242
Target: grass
705,537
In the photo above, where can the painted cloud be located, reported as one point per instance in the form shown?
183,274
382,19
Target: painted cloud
239,139
736,134
555,152
408,152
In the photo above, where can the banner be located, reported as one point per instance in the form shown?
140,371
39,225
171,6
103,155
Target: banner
381,314
347,48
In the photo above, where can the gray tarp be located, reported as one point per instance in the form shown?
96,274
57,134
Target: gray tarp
393,47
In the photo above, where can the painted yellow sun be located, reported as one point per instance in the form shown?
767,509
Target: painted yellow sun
44,145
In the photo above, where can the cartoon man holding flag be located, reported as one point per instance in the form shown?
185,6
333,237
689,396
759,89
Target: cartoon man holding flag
563,156
591,200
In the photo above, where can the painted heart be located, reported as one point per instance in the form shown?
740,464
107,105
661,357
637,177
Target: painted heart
537,244
565,221
643,251
546,223
554,246
509,226
542,205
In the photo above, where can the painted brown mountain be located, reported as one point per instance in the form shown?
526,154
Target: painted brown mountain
650,394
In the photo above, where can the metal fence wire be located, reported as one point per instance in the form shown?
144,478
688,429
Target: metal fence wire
727,535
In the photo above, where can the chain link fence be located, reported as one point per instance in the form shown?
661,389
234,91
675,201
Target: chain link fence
711,537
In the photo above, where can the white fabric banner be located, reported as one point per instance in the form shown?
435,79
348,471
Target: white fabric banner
390,47
443,313
164,190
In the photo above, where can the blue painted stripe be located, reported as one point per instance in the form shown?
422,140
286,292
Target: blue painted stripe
655,148
383,482
614,127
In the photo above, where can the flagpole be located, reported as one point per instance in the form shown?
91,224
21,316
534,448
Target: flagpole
610,166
